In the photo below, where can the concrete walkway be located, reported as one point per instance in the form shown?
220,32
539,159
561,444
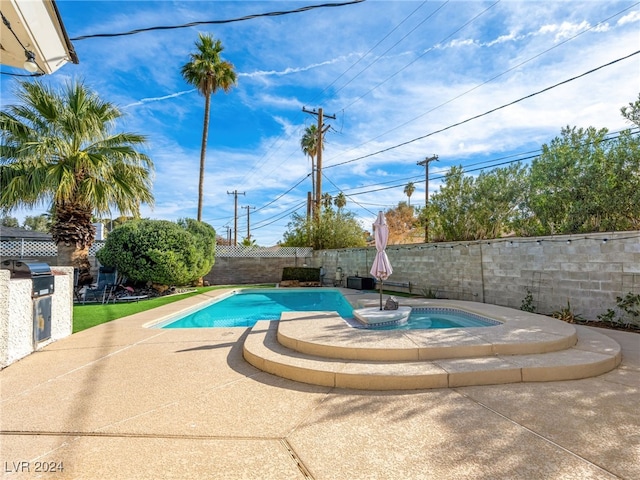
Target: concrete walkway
120,401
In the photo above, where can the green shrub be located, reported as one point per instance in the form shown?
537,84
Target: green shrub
303,274
160,251
626,313
527,303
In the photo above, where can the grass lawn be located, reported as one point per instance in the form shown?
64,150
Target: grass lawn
87,316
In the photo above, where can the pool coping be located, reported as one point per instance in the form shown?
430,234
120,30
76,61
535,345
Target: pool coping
329,335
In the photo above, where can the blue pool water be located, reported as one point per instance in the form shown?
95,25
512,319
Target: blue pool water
440,317
244,308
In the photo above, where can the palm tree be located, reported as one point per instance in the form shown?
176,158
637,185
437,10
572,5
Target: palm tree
408,191
58,148
340,201
207,72
309,146
327,200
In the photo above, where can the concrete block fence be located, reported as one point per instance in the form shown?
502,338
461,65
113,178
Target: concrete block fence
588,271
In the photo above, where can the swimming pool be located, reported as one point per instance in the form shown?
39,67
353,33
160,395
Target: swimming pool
244,308
422,318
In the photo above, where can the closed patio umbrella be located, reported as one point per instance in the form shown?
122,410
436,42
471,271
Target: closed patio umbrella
381,268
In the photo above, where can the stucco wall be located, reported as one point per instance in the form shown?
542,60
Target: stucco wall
16,314
588,271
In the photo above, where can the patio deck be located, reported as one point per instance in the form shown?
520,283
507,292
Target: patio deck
121,401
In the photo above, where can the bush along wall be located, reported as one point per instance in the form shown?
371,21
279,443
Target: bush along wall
301,275
160,251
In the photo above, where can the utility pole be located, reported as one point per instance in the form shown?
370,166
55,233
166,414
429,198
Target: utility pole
248,222
235,194
425,163
228,234
321,130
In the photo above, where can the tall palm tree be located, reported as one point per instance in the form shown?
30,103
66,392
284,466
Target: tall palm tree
340,201
208,72
408,191
57,147
327,200
309,146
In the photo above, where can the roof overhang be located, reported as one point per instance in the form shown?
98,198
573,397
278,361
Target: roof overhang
38,26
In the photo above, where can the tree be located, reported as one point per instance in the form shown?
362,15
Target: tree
40,223
58,148
309,146
452,208
584,181
408,191
208,72
497,194
332,230
632,112
327,200
248,242
402,224
160,251
7,221
340,201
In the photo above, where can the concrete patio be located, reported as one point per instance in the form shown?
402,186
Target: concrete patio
121,401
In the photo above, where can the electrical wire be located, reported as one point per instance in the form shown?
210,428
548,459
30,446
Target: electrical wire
422,55
488,112
362,57
600,23
486,164
216,22
392,47
397,183
265,157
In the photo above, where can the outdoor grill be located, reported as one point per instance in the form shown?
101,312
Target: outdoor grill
39,273
42,288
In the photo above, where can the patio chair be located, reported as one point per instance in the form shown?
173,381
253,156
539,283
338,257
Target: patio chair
77,290
102,290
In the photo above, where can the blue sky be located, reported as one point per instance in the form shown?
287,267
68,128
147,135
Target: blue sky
390,72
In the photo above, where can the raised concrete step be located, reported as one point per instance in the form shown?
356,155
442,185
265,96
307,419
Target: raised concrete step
592,355
326,334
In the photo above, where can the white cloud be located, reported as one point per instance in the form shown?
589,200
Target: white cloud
631,17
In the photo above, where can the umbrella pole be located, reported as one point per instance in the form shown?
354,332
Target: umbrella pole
381,294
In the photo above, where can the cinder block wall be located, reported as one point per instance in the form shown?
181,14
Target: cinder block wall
588,271
245,270
16,314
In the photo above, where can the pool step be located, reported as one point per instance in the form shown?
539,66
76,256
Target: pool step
326,334
592,355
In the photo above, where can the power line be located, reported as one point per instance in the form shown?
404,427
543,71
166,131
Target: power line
493,110
487,164
397,183
600,23
263,159
423,54
388,50
216,22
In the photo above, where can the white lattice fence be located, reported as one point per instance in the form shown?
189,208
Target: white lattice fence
262,252
23,248
27,248
36,248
